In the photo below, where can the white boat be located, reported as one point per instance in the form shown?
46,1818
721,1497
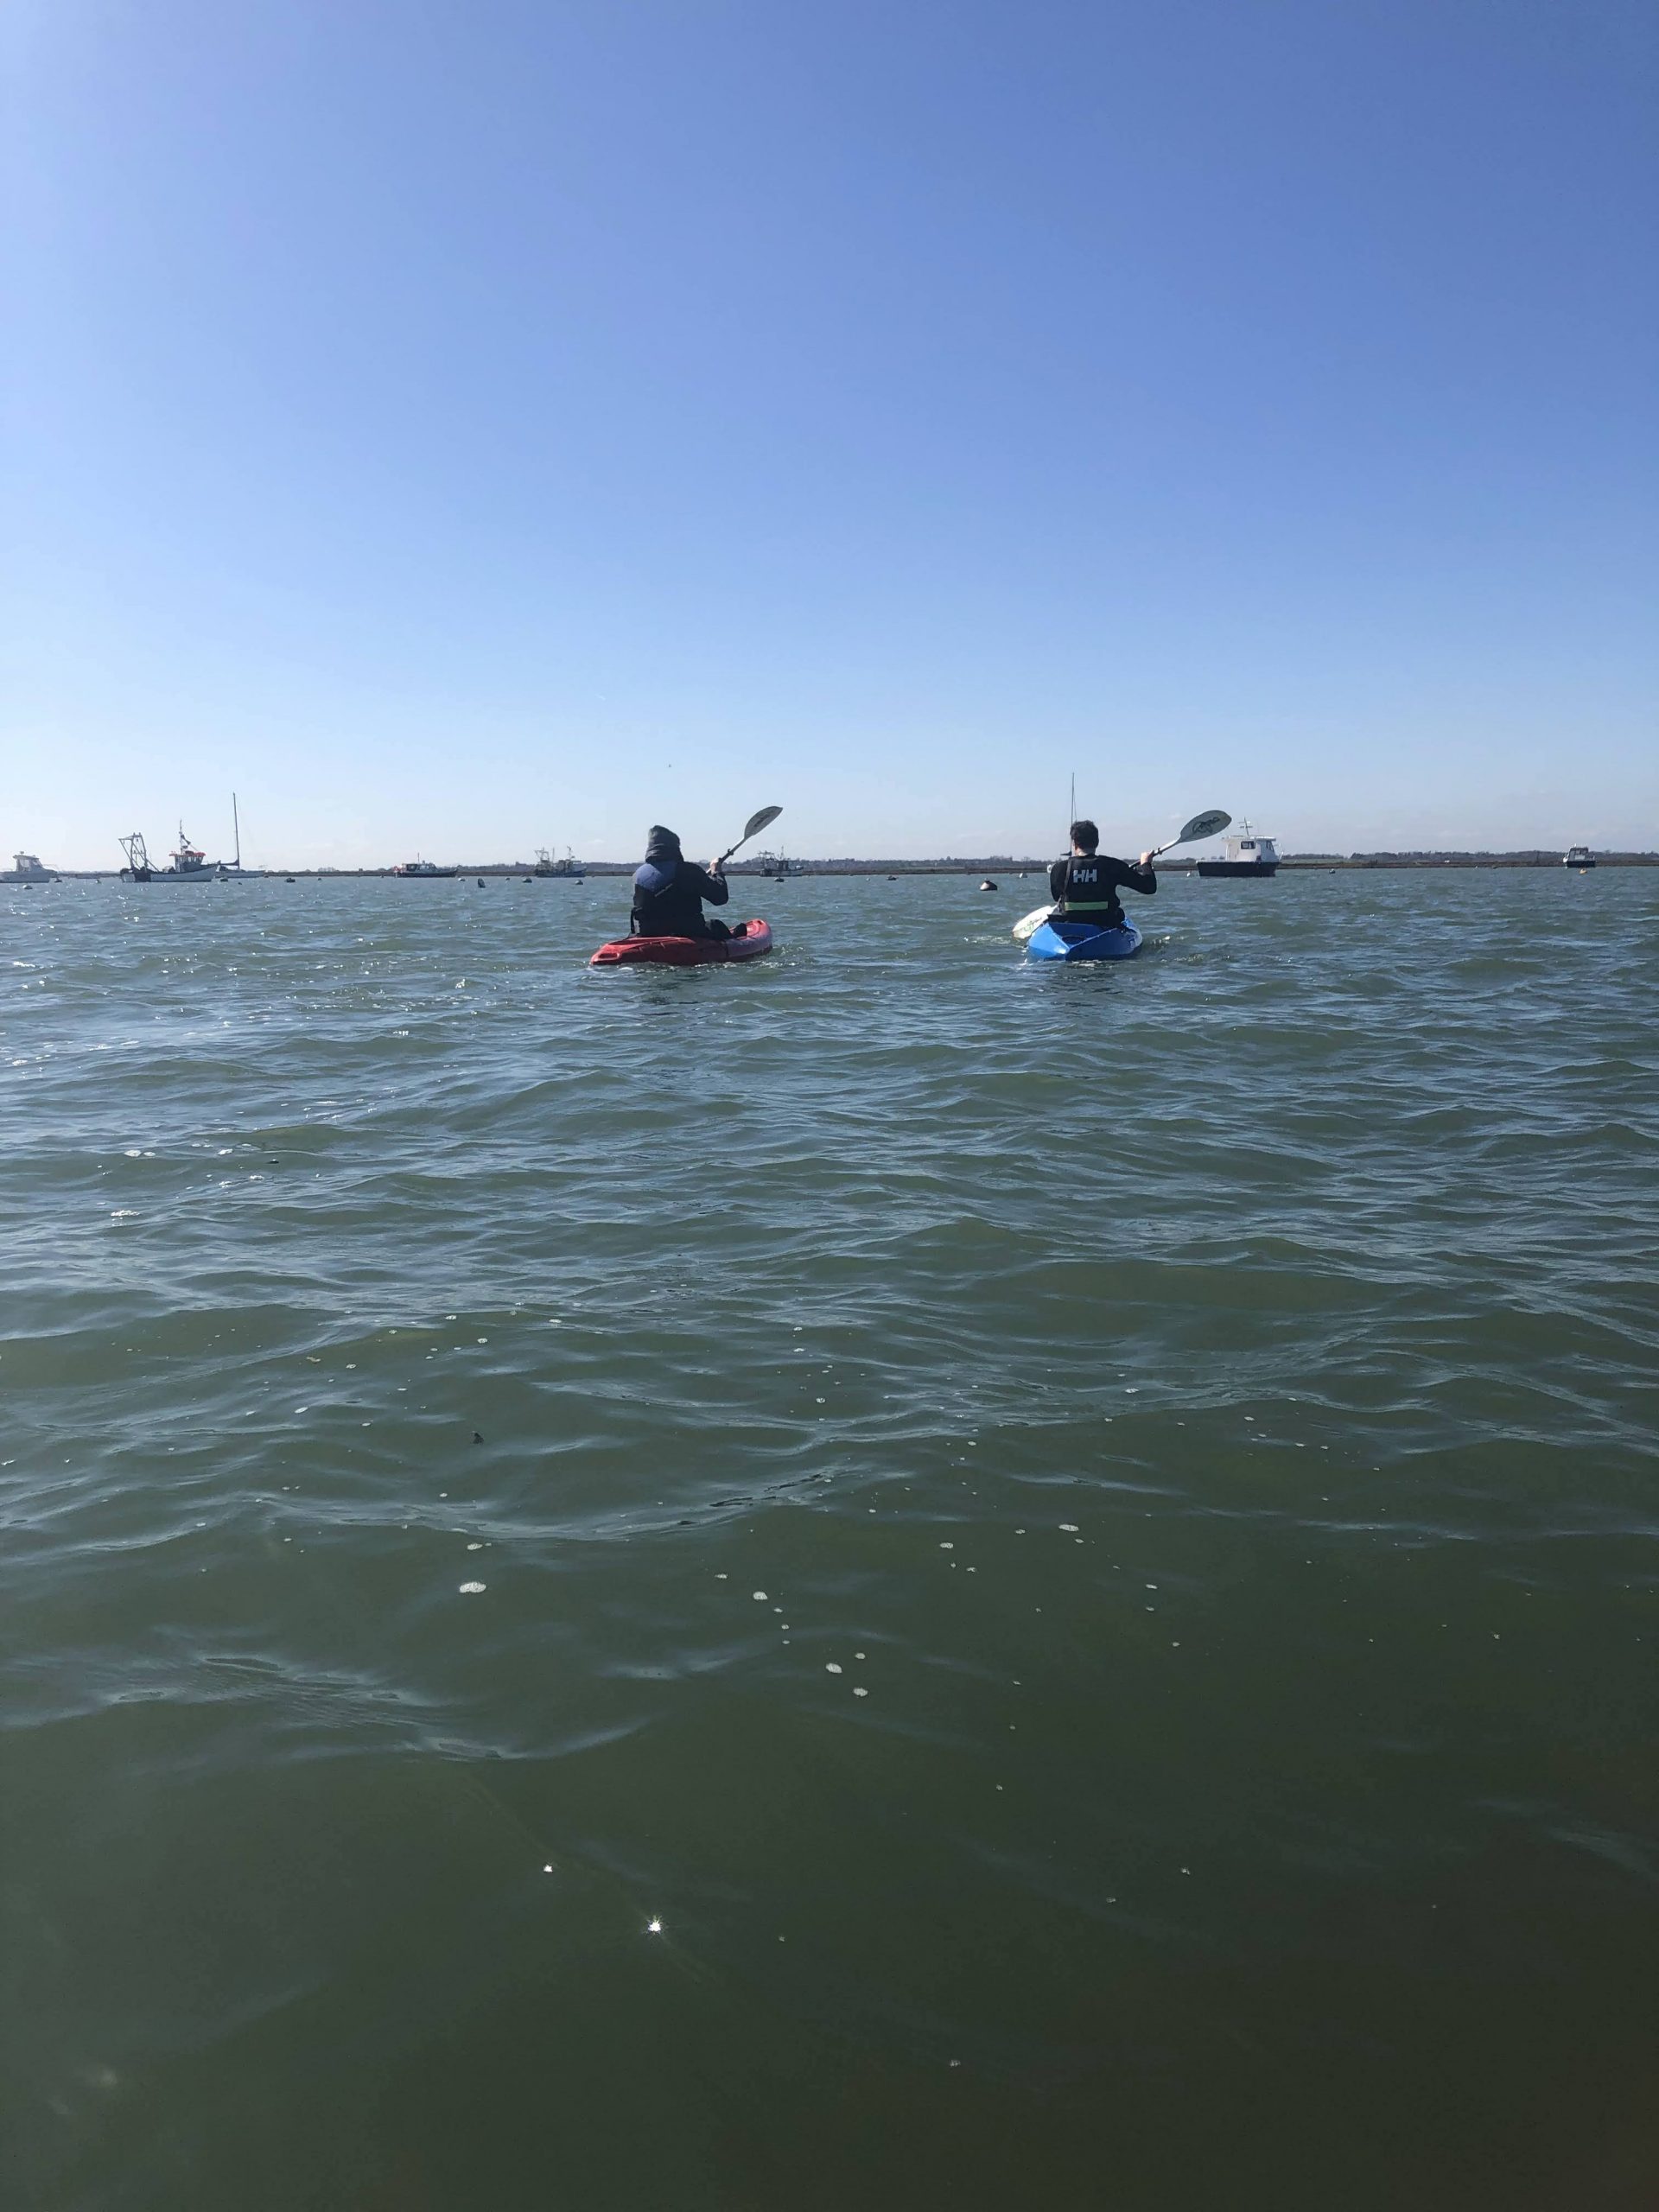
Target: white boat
424,867
1246,854
188,863
27,867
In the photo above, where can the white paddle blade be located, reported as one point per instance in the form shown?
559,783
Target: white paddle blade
1028,925
752,828
1202,825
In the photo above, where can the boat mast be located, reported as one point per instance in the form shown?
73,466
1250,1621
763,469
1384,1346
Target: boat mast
236,821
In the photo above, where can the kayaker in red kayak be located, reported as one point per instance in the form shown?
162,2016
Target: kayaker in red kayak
1084,886
669,890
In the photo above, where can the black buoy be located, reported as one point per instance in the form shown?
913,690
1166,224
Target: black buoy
480,883
988,885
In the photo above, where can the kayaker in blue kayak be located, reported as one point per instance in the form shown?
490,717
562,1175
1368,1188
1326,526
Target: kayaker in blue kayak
669,890
1086,884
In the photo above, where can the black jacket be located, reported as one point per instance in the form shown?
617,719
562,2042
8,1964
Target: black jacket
1090,893
667,895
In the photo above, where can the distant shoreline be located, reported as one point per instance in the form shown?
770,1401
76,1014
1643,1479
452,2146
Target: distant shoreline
1306,863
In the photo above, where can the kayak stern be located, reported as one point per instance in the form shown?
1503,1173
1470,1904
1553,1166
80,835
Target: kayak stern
1064,940
684,951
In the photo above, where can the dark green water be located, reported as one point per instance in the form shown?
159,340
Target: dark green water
1082,1542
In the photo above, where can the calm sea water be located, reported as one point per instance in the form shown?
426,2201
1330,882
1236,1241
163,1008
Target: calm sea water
865,1581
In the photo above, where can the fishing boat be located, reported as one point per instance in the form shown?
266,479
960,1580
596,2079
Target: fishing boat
424,867
1575,856
568,865
1246,854
27,867
189,864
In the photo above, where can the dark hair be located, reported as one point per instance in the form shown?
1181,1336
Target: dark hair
1086,835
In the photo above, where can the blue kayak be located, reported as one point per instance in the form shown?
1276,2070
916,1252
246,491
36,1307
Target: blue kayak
1064,940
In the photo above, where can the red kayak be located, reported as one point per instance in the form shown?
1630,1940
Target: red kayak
747,942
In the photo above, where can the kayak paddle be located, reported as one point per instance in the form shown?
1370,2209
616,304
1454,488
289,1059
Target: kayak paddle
1201,825
753,828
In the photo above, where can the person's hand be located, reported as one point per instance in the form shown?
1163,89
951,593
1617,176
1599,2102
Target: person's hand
716,868
1146,860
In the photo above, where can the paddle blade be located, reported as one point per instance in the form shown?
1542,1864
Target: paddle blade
757,823
1202,825
1028,925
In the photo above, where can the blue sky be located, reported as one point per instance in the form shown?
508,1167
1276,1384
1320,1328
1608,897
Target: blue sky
461,425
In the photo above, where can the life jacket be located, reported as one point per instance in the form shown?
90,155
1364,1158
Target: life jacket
668,893
1090,894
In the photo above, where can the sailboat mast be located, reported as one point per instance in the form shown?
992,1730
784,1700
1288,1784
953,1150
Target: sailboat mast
236,821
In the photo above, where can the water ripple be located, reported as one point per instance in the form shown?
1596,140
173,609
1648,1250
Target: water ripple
1062,1536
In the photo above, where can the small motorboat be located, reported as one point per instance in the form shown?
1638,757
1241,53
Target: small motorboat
1247,855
